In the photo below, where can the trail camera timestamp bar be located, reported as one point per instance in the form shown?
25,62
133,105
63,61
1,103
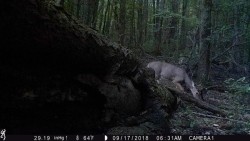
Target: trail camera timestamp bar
124,138
179,138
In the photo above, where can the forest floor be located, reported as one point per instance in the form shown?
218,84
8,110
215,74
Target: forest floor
191,120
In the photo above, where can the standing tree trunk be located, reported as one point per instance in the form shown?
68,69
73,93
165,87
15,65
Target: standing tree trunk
78,9
100,19
105,21
174,22
132,40
122,21
183,33
141,24
205,43
94,12
145,13
157,28
236,52
109,17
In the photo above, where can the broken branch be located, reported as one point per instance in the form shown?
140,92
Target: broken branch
201,104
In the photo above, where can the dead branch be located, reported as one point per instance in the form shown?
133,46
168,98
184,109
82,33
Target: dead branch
199,103
224,118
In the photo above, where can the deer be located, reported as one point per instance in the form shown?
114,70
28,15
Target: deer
176,74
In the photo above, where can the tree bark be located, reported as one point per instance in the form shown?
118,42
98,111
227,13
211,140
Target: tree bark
158,26
145,15
140,23
183,39
205,42
132,38
122,21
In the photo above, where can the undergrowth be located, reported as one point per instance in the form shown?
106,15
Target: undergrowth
239,86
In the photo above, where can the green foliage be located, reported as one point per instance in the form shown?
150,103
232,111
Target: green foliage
240,86
149,46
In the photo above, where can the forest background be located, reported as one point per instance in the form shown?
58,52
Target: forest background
197,33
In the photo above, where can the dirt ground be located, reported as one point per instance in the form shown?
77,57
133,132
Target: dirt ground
191,120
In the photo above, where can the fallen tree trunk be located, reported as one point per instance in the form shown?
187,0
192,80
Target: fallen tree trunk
60,76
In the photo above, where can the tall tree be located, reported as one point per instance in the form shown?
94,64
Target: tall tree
101,15
145,20
205,44
132,39
78,8
122,21
140,23
183,38
158,25
106,22
174,20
